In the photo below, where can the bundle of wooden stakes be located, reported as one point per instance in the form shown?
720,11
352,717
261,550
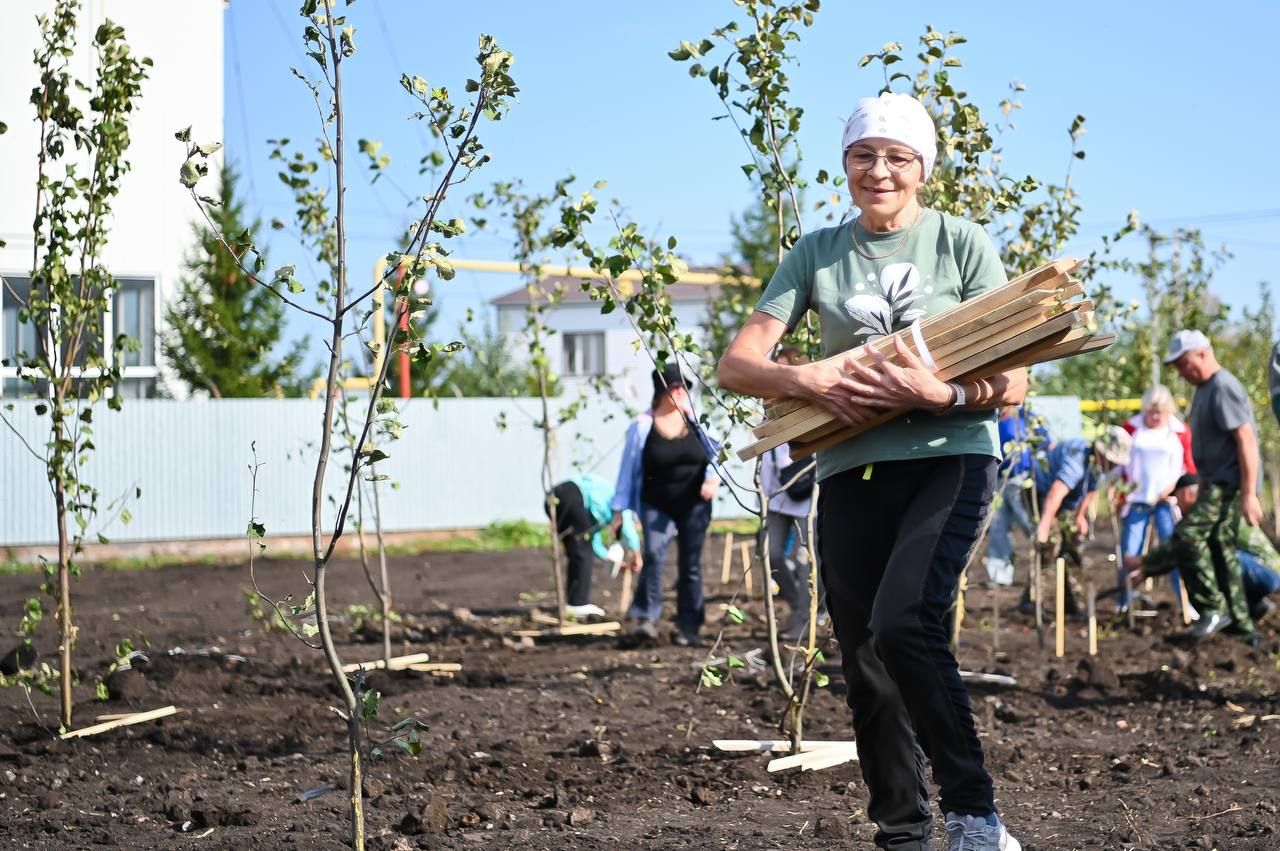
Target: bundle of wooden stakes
1037,317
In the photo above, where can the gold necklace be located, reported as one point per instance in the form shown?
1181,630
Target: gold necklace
906,236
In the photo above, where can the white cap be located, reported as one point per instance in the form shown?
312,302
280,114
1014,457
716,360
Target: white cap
1114,445
1186,341
894,116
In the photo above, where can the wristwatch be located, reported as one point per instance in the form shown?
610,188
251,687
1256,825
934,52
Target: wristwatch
958,390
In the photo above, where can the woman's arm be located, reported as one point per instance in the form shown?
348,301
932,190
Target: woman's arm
746,368
887,385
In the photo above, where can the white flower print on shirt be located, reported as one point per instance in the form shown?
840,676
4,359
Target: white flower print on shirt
877,314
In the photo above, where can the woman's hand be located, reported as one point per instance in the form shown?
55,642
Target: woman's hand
827,386
887,385
709,489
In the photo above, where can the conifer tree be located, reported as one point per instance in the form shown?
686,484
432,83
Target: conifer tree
222,331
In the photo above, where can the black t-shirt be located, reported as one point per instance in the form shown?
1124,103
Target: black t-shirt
674,469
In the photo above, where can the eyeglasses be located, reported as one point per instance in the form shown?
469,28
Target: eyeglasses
860,159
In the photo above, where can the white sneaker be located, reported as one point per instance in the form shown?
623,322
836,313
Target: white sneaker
978,833
586,610
1207,625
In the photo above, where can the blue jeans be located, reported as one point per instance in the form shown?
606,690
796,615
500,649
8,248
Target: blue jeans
1259,580
1133,534
1011,512
689,530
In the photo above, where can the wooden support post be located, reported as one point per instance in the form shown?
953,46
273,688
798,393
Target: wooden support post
1060,634
1186,601
1093,621
958,620
726,564
624,596
746,566
995,620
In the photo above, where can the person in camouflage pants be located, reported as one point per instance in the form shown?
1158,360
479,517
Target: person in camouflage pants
1205,551
1257,557
1225,447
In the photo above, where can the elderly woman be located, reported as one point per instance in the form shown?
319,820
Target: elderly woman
1161,454
901,505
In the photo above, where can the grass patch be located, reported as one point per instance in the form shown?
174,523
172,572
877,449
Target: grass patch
496,537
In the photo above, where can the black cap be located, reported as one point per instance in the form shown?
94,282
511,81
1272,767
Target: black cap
669,378
1186,480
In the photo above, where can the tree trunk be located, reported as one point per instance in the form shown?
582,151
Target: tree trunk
65,628
385,596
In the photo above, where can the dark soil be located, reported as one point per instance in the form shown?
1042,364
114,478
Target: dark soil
1157,743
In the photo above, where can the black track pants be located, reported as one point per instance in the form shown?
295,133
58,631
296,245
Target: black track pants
893,545
574,524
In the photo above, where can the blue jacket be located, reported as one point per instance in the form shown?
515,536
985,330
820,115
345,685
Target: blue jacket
1070,462
597,496
626,495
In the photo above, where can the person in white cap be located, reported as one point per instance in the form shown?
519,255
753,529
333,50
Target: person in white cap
1224,445
901,505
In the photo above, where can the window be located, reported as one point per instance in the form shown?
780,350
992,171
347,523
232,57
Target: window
17,338
135,317
583,354
131,312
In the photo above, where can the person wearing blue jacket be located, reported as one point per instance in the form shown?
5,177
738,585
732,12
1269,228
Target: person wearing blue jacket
1009,506
584,511
668,478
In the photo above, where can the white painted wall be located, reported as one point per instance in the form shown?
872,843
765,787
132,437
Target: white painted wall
630,368
153,213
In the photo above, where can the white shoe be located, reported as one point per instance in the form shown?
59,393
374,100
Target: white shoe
1207,625
978,833
586,610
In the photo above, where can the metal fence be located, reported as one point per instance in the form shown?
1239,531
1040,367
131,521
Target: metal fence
455,467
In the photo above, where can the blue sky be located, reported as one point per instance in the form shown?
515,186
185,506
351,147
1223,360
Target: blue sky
1178,98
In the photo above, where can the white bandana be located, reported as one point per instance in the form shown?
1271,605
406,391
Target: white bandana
897,117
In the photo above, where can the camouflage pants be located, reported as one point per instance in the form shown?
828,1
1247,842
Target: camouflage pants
1206,539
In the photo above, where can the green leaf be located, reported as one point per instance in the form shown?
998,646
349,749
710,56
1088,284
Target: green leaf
4,128
370,701
209,149
735,662
820,679
256,530
736,615
711,678
183,135
189,176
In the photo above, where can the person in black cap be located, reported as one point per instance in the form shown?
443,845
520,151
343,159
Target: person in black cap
667,476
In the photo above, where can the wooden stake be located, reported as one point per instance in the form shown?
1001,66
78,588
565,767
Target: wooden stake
570,629
624,596
398,663
1061,606
995,620
773,745
1093,621
1186,601
815,760
746,566
436,667
958,619
726,564
125,721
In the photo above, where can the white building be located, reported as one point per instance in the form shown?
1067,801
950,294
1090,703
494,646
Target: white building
151,227
588,343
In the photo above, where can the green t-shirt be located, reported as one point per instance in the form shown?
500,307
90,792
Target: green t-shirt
944,261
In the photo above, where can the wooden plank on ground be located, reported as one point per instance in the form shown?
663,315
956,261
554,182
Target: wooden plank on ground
570,629
436,668
816,759
772,745
125,721
398,663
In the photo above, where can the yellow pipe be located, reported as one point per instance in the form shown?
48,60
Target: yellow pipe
586,272
1089,406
